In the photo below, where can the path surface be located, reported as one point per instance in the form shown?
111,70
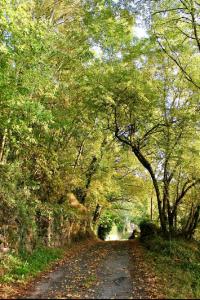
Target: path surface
104,270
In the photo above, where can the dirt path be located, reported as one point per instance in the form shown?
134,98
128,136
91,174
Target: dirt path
114,273
106,270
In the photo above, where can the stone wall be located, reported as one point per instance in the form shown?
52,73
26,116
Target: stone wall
48,226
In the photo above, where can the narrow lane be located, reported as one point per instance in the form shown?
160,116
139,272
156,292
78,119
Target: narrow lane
104,270
114,274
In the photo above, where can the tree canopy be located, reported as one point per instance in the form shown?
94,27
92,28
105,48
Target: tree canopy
90,108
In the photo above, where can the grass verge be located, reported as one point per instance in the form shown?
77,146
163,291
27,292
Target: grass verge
19,268
177,264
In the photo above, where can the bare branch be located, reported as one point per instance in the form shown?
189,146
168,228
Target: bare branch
178,63
167,10
153,130
185,189
187,35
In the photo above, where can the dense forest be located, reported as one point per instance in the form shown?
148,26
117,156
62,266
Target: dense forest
99,121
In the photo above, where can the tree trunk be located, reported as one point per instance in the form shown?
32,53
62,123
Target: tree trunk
2,146
97,213
148,167
192,222
189,221
171,223
136,150
175,220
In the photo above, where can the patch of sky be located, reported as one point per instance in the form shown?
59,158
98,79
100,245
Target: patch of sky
97,51
140,32
139,63
178,101
139,29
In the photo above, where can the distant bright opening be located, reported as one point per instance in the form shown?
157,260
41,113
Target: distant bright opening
126,234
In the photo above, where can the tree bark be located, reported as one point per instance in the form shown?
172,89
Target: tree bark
192,222
147,165
136,150
97,213
2,145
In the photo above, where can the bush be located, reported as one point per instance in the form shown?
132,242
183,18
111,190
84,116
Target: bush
105,224
104,230
147,229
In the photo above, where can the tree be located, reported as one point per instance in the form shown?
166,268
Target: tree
157,121
176,27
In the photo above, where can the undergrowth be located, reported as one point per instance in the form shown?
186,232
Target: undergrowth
177,263
17,268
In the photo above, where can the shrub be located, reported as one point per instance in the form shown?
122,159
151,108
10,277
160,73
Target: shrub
105,225
104,230
147,229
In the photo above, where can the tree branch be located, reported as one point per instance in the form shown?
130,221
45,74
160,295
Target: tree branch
167,10
184,191
178,63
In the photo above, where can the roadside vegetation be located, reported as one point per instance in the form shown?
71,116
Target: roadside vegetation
19,268
99,125
177,263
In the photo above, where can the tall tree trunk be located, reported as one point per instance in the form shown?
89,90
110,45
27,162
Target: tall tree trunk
195,222
147,166
192,222
136,150
97,213
167,211
151,203
175,220
2,145
189,220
